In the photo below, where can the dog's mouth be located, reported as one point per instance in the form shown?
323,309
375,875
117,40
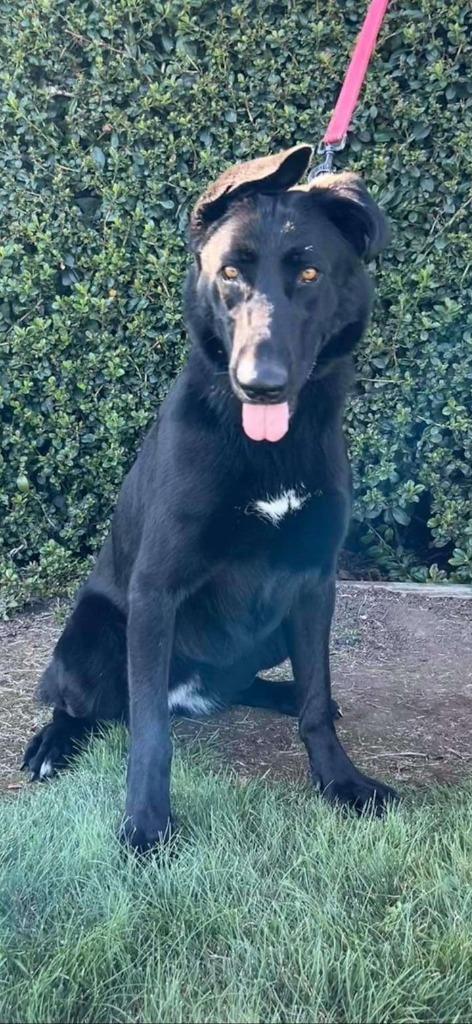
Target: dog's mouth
265,422
265,415
264,398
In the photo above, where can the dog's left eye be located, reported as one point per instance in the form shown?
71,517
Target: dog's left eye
308,274
230,273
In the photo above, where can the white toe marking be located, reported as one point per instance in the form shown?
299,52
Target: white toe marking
46,769
274,509
189,697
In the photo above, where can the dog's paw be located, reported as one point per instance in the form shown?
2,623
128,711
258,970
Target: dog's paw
49,749
362,794
140,835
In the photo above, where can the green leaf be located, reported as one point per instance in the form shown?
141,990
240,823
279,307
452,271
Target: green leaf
98,157
401,516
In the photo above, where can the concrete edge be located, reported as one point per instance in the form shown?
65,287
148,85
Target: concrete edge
458,590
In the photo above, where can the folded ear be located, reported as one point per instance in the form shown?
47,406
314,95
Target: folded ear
266,174
347,203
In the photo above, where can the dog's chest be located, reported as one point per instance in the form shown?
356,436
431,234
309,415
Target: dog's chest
296,526
280,505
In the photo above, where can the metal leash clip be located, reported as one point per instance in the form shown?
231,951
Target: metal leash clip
327,150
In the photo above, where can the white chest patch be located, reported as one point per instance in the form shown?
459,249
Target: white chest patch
273,510
188,697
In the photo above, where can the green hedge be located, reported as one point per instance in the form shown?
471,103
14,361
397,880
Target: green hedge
114,116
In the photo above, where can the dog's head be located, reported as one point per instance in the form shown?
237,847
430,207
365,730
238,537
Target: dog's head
279,280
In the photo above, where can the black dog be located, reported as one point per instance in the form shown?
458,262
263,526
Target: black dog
221,558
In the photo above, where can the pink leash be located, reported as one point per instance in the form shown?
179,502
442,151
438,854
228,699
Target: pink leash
335,135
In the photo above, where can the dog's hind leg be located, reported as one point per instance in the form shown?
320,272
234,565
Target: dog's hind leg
273,694
276,696
85,683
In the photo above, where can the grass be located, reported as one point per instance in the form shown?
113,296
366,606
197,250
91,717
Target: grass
274,908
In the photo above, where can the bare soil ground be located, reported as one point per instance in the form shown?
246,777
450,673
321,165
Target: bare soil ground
402,672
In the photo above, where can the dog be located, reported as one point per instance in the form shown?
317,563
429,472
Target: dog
220,562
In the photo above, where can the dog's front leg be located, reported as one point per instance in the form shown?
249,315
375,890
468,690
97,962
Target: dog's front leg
150,637
308,629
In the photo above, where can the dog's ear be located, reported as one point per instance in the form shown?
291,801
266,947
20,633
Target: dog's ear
266,174
346,201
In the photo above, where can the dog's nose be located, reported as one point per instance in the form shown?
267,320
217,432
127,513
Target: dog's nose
262,381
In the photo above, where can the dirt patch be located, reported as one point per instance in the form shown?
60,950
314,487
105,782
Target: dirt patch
402,672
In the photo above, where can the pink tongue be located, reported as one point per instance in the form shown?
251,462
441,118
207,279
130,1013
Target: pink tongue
265,422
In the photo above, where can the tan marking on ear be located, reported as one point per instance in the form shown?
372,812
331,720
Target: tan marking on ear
274,173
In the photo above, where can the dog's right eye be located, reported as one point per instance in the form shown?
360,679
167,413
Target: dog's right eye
308,274
229,273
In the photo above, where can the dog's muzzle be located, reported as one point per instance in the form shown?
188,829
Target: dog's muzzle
261,385
261,381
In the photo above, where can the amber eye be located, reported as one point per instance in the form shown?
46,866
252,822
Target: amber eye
308,274
230,273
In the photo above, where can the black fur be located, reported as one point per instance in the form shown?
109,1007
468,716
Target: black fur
193,583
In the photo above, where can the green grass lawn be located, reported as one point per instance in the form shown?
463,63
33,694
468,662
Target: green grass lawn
273,908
